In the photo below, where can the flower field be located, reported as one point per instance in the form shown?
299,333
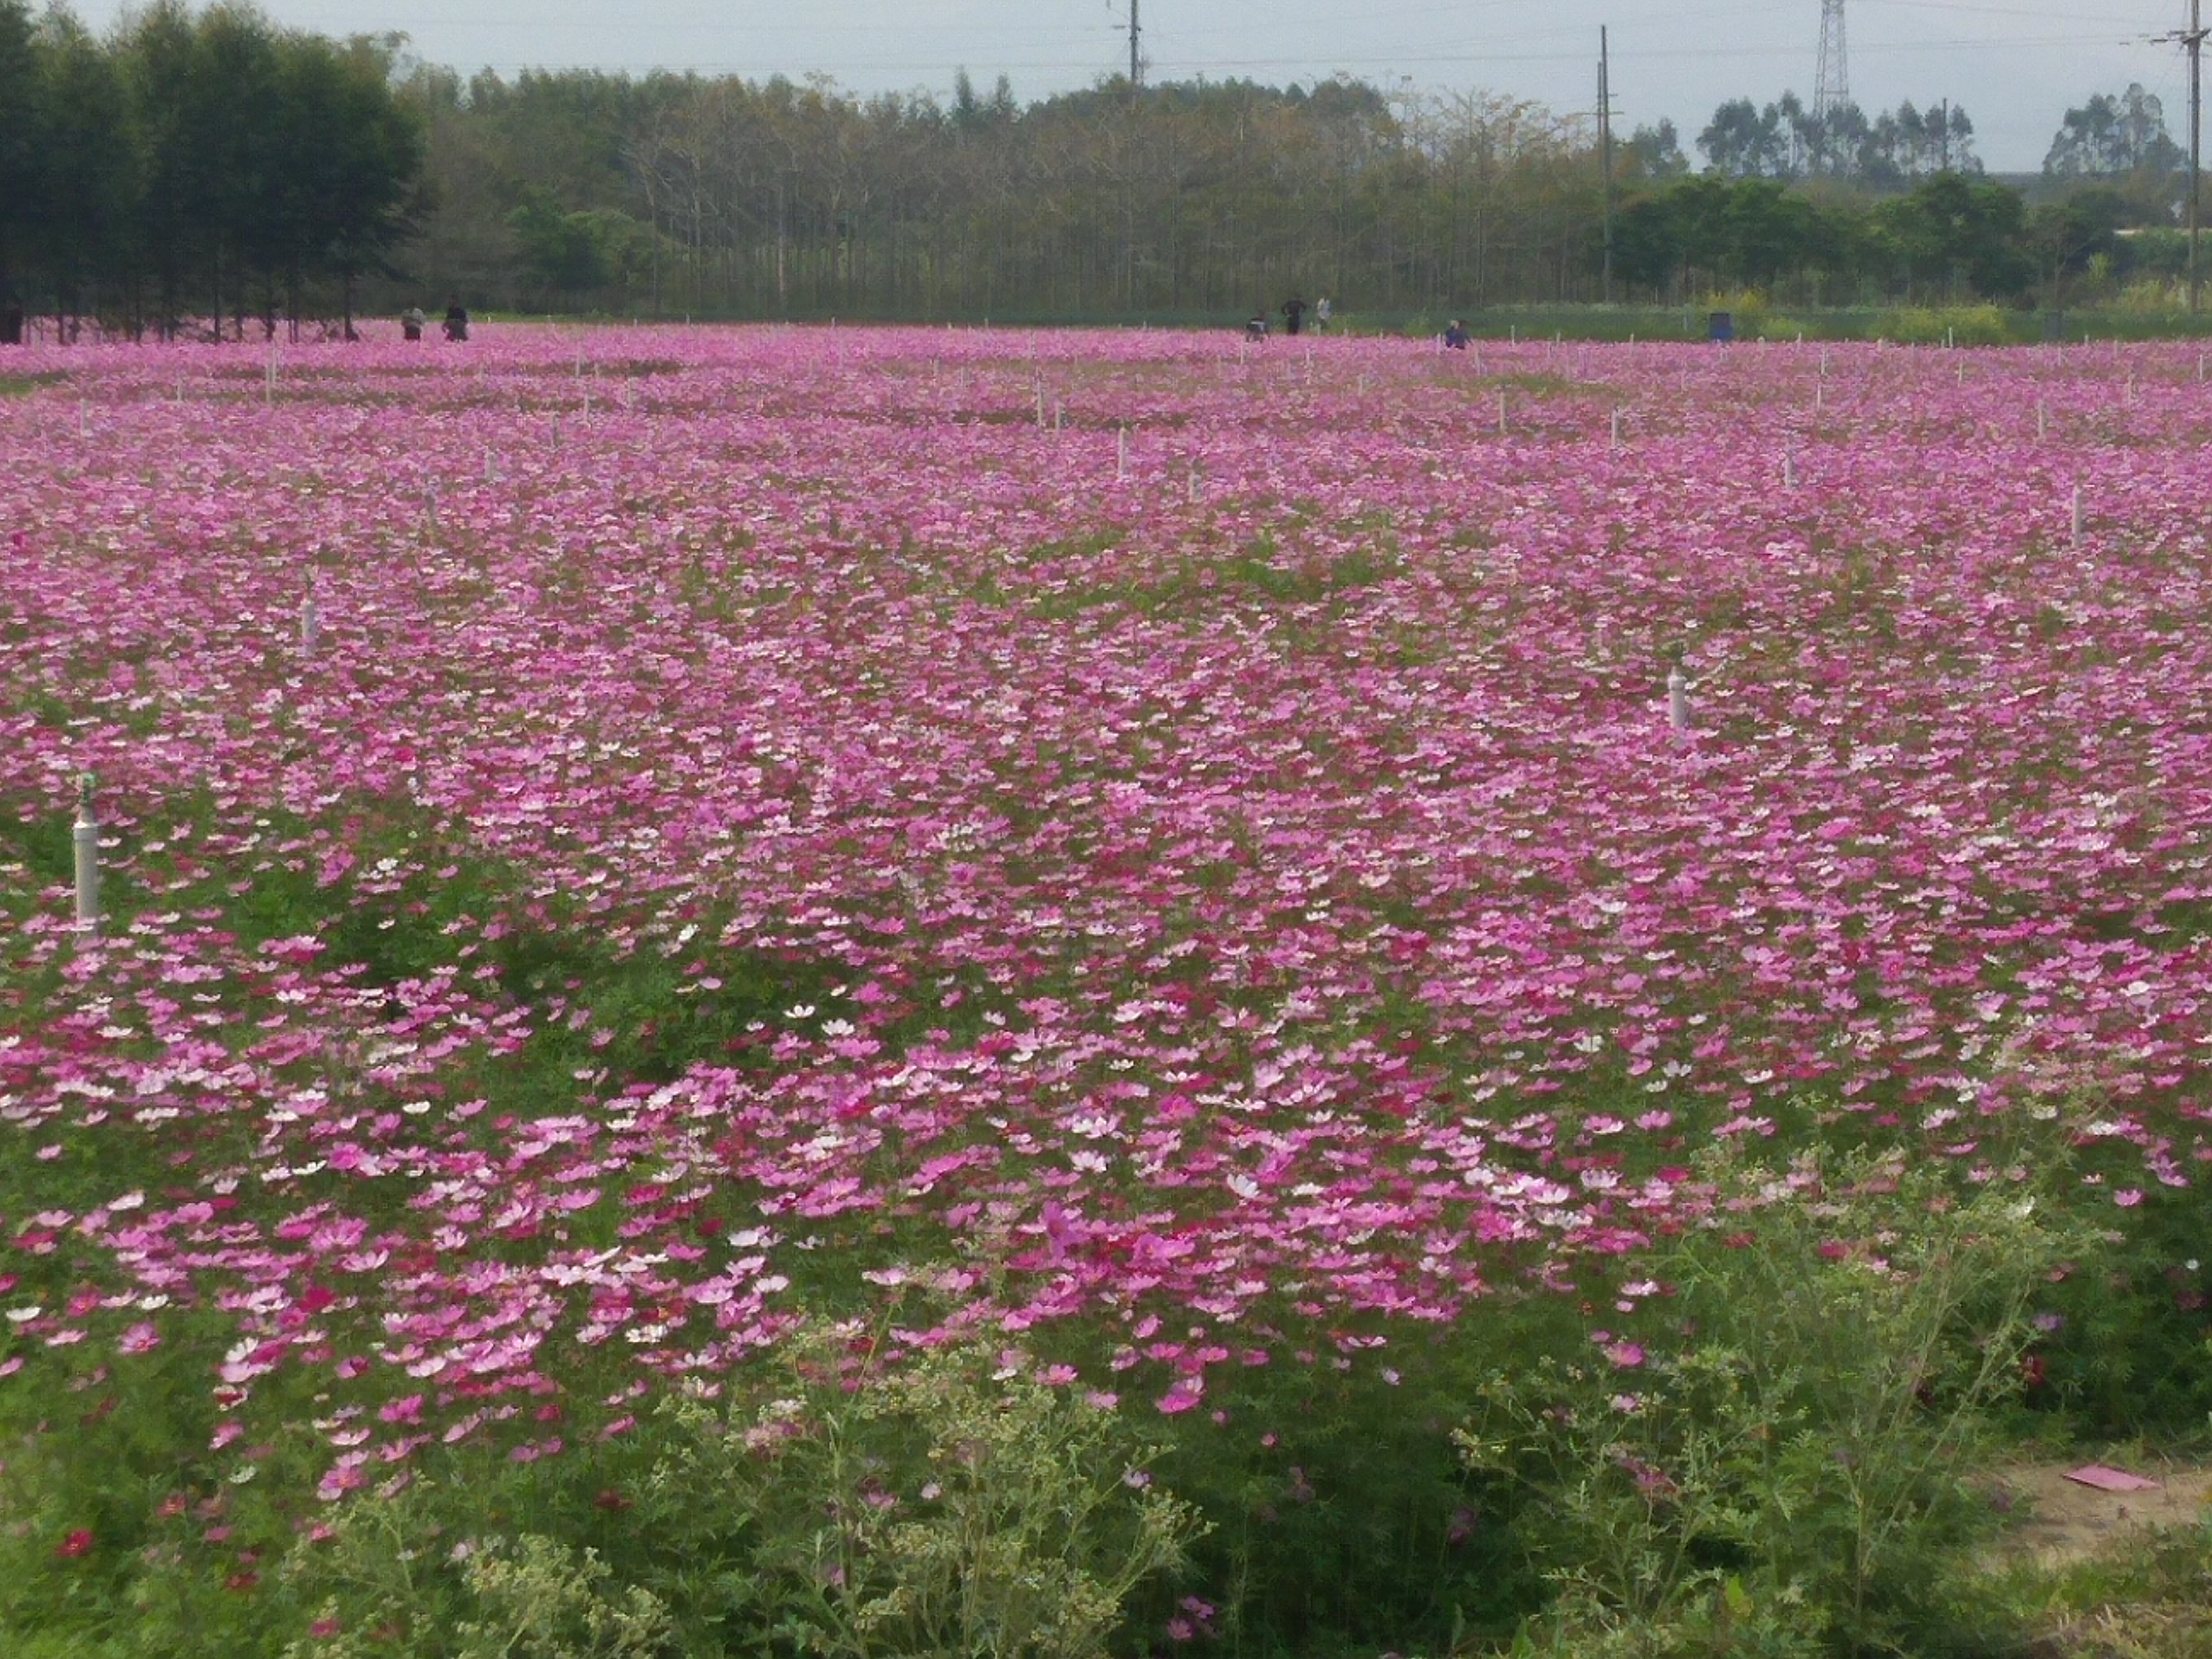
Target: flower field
1167,855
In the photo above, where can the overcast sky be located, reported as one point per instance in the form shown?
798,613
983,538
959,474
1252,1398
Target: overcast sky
2016,65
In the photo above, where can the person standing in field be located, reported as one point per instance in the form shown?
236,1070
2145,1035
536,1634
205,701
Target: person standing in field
413,321
1321,315
457,320
1456,337
1294,312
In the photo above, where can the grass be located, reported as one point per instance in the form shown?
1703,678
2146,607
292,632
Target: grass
22,386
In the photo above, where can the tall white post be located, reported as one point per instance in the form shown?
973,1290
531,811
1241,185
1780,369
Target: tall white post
1616,428
86,837
2077,515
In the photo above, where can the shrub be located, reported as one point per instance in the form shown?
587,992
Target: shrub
945,1505
1779,1461
1965,326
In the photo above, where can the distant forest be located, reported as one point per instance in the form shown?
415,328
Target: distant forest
211,165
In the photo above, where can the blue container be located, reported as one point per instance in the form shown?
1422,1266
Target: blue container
1721,327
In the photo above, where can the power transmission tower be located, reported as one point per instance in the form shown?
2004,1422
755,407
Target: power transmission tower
1831,87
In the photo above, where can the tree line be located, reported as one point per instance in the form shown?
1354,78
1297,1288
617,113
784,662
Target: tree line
675,194
217,165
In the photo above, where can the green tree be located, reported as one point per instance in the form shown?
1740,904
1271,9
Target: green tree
348,172
1960,234
1744,141
2111,136
87,181
1657,151
18,149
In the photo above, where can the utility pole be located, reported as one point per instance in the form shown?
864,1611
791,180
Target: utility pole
2192,42
1136,65
1604,147
2196,41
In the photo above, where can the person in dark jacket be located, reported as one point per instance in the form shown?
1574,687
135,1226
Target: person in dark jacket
457,320
1294,313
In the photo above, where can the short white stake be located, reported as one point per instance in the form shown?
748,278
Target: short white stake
86,837
311,625
1121,454
1616,428
2077,515
1678,700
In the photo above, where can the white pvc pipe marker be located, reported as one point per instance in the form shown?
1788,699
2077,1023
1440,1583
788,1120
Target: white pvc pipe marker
86,837
1678,700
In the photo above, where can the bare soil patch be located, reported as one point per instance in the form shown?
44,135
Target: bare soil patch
2058,1522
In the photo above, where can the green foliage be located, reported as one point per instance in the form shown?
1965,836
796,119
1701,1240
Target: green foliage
390,1580
2111,137
1344,1519
577,254
2127,1342
939,1506
1965,326
119,1533
943,1506
1957,233
1780,1453
215,152
1951,233
2149,1598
